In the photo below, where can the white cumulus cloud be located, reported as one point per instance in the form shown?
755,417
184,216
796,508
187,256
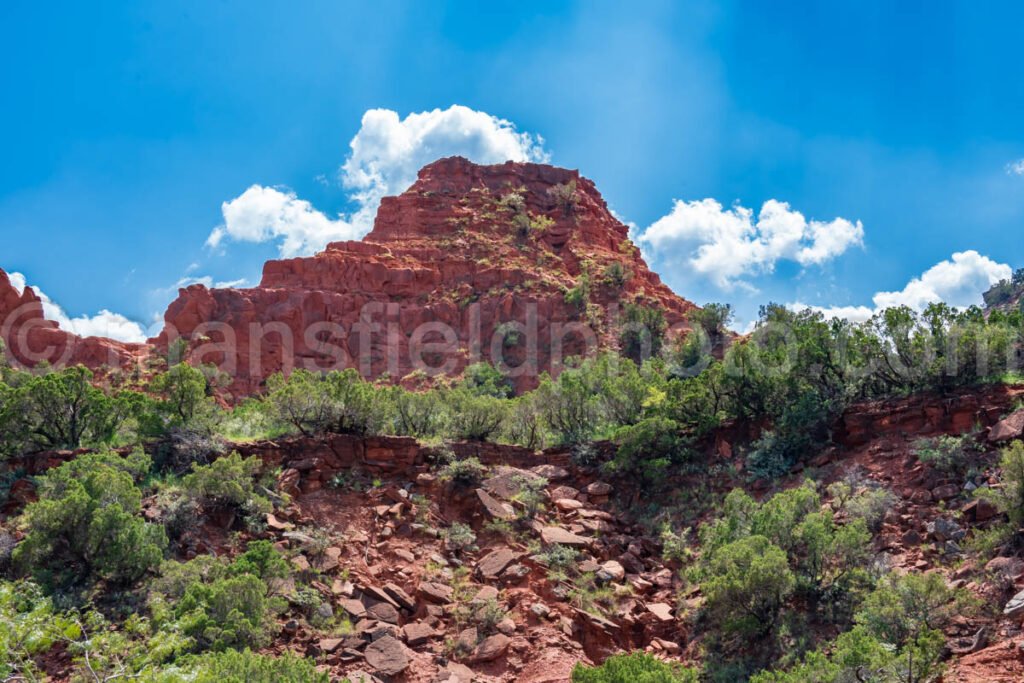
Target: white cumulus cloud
387,152
958,281
262,213
1015,167
103,324
384,158
727,245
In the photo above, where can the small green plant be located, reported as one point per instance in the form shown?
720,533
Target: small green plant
463,473
674,547
951,455
487,616
459,538
579,295
561,560
566,197
616,275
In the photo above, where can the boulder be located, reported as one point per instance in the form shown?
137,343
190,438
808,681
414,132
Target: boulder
404,600
437,593
1009,428
661,611
1015,607
490,648
611,571
945,492
382,611
494,507
945,529
387,655
417,633
552,535
980,510
494,563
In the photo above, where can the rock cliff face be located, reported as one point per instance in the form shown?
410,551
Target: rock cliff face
471,263
32,339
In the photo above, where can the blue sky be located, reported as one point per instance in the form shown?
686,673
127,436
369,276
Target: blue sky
126,126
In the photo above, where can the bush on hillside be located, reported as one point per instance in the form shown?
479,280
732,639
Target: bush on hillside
636,667
86,525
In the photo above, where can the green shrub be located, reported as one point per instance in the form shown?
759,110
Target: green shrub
1009,498
311,403
64,410
636,667
422,414
949,454
228,483
907,613
459,538
745,585
561,560
86,524
483,379
218,604
29,627
228,613
855,655
475,417
565,196
463,473
578,295
233,666
643,332
648,449
616,275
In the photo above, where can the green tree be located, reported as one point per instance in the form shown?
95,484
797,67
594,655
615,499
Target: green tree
745,585
643,332
352,403
422,414
909,612
86,524
483,379
713,319
12,424
1009,498
569,406
300,400
184,395
648,450
64,410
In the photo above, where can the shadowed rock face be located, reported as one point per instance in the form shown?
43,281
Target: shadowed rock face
453,255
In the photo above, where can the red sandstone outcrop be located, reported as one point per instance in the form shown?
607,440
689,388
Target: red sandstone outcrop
454,255
31,339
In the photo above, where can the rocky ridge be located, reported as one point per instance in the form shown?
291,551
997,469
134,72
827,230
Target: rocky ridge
488,252
467,247
30,338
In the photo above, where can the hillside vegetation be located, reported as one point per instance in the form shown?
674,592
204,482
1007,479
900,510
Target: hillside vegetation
139,542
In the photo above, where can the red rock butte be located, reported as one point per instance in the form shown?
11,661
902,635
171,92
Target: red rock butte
468,251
